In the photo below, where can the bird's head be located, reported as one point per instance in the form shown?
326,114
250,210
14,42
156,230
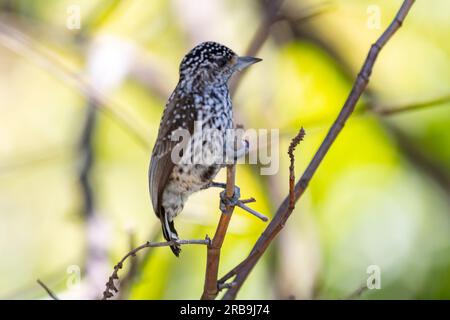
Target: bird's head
211,63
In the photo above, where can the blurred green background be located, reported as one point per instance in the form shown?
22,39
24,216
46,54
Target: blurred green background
73,103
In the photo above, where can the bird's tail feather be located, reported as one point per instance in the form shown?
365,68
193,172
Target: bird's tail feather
170,233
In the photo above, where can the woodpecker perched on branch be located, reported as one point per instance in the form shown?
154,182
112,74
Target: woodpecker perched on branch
200,103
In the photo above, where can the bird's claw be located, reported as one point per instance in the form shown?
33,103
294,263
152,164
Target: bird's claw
214,184
225,201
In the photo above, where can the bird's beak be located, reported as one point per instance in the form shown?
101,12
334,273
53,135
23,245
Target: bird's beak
244,62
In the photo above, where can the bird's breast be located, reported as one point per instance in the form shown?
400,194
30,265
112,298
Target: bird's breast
189,178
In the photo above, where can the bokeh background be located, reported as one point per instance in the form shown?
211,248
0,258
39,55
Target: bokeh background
80,109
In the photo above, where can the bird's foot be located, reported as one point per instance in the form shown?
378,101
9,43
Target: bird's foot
235,201
226,201
214,184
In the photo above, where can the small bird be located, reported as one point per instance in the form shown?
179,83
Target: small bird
201,100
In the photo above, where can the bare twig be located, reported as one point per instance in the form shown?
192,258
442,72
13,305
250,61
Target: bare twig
294,143
111,288
242,205
284,211
48,290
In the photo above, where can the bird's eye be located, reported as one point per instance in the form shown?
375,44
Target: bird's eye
222,62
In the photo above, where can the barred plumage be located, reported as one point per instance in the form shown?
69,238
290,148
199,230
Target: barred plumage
201,98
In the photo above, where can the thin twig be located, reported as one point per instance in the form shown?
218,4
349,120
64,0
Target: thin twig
48,290
241,205
284,210
294,143
111,288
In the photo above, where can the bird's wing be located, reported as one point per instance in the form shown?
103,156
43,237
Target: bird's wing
179,113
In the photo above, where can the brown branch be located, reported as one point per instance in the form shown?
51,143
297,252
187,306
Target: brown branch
48,290
111,288
284,211
211,288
